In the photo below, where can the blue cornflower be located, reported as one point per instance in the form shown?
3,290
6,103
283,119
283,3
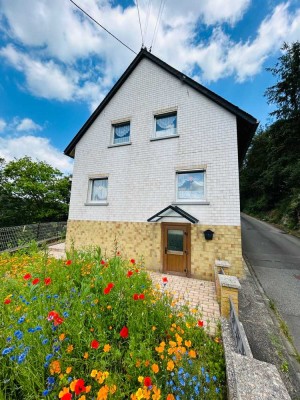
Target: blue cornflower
30,330
186,375
180,371
8,339
21,358
177,397
190,362
34,298
46,392
69,379
182,382
196,390
49,356
56,348
65,314
45,341
205,389
7,350
55,296
207,378
214,378
50,380
194,378
18,334
13,358
217,390
21,319
202,370
38,328
48,296
46,365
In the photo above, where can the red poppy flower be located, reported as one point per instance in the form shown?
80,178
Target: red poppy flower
47,281
95,344
106,290
200,323
35,281
137,271
147,381
132,261
51,315
79,386
110,285
129,273
7,301
142,296
67,396
135,296
124,332
165,279
118,253
58,320
27,276
68,262
103,262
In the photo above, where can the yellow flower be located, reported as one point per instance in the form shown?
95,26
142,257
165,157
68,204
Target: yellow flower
172,343
153,328
108,307
103,393
70,348
106,348
82,397
68,370
188,343
112,389
147,363
156,393
170,365
64,391
170,397
138,363
55,367
94,373
155,368
86,355
139,394
140,379
192,353
61,337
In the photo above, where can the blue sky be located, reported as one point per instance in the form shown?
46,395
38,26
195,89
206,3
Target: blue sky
56,65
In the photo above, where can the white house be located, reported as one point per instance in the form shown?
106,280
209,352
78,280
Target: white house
156,165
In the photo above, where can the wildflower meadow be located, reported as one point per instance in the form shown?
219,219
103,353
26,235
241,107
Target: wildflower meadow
95,328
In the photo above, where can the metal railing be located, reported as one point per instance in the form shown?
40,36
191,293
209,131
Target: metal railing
15,237
240,342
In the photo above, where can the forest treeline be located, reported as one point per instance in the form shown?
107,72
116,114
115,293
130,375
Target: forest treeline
270,176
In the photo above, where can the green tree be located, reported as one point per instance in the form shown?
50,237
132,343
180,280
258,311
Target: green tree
270,176
286,92
31,192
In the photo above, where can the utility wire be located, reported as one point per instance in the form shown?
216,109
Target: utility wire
161,6
96,22
138,9
147,18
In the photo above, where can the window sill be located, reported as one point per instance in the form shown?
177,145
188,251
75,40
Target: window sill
163,137
96,204
119,145
190,203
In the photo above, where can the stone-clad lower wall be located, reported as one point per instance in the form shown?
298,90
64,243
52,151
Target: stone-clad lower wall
142,239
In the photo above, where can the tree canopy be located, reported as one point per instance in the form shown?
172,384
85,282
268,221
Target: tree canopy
31,192
270,176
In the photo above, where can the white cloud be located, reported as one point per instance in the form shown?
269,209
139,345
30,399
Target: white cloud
26,124
2,125
37,148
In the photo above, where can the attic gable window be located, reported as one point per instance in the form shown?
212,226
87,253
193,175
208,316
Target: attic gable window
121,133
165,125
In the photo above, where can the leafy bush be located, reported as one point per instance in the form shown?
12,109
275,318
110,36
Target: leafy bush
90,328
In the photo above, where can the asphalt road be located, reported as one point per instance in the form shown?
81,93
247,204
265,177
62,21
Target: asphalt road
275,258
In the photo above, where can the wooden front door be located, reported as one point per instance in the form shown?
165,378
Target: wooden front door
176,248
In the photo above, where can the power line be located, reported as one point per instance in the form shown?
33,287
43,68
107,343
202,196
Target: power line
147,18
161,7
138,9
96,22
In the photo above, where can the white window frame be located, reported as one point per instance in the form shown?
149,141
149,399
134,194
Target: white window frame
163,115
118,124
195,200
90,188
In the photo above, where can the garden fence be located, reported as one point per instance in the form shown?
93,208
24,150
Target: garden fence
15,237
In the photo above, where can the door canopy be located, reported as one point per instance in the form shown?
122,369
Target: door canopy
172,212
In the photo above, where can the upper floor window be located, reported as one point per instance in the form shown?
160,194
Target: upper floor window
121,133
166,124
98,190
190,186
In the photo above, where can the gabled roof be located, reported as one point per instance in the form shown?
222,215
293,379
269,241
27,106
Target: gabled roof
246,124
164,214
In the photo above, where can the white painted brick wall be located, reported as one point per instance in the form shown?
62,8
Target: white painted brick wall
142,175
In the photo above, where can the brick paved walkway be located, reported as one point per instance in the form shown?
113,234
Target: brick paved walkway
198,295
